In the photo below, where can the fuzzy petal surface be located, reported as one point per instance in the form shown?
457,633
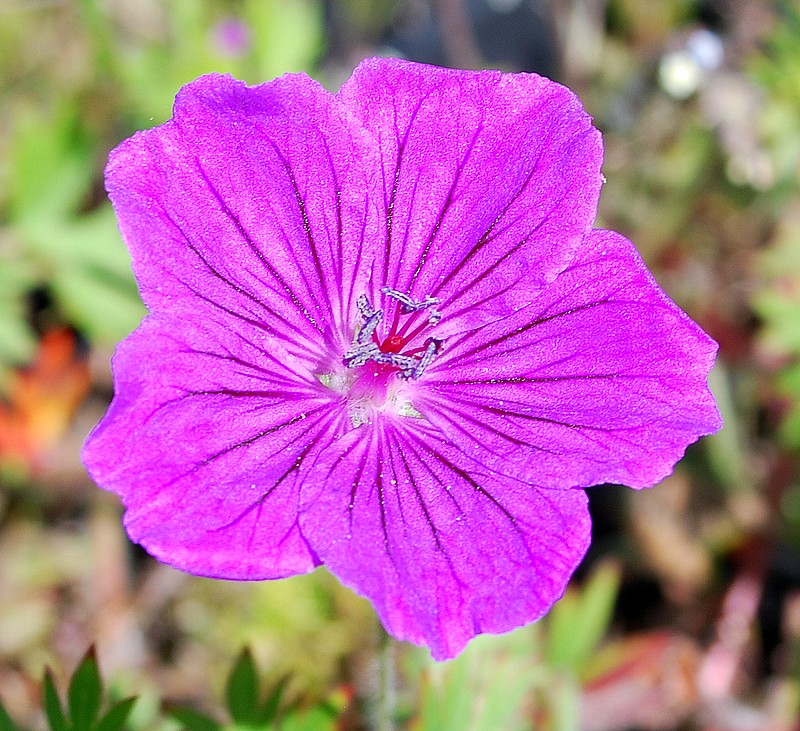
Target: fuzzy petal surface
385,337
444,548
249,277
256,200
488,182
204,443
602,378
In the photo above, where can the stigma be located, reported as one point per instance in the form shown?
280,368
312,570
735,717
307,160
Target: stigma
402,346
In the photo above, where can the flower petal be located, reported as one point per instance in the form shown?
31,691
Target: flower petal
204,442
442,547
601,378
489,181
255,199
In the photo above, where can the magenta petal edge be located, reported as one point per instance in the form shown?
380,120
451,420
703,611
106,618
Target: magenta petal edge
385,337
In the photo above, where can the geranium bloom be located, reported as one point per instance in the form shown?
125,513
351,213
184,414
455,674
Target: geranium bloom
385,337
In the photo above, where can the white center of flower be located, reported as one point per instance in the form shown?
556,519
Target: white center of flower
382,361
372,389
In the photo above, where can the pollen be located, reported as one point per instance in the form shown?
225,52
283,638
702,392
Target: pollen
393,336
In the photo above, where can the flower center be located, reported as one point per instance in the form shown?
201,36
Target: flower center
399,348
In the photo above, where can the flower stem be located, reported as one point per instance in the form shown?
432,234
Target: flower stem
385,700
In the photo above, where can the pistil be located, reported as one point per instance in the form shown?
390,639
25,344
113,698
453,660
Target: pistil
391,350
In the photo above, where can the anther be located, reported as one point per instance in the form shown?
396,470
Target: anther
361,354
368,328
364,306
398,360
410,305
368,347
432,348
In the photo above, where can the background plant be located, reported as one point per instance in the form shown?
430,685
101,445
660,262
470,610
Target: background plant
707,185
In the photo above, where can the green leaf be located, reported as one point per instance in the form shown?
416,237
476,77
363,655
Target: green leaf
114,719
89,272
17,278
6,724
84,694
564,700
447,702
319,718
52,705
242,689
578,623
504,696
89,240
193,720
488,687
52,163
17,343
102,310
288,34
269,710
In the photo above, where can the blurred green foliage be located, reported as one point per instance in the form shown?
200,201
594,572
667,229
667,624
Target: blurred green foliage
108,70
249,711
496,683
577,624
531,673
777,72
777,301
84,701
707,187
78,256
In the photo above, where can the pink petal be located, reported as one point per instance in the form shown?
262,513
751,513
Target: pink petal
255,199
513,353
600,379
444,548
489,181
204,443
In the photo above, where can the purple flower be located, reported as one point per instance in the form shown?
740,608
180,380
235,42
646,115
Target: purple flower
232,37
385,337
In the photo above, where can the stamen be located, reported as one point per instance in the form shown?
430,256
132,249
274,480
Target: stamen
432,348
368,328
364,306
388,348
361,354
398,360
410,305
